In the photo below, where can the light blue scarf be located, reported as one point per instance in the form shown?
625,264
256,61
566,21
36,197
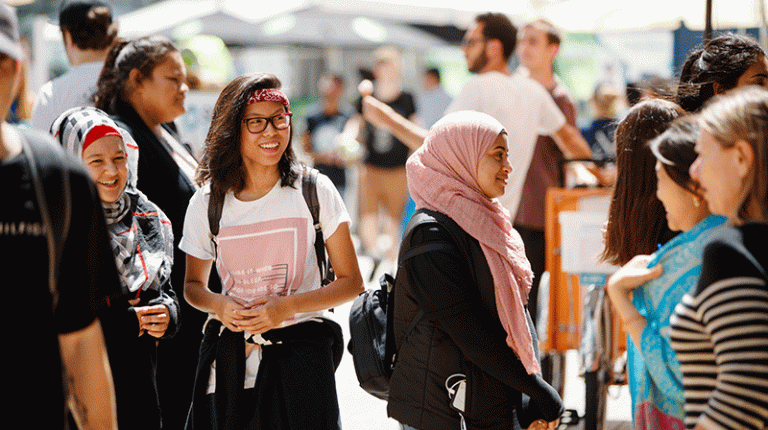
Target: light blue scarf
655,379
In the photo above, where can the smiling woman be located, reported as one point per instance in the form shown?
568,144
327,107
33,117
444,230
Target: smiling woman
143,86
471,284
146,308
269,319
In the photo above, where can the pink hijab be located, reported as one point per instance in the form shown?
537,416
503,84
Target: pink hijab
442,176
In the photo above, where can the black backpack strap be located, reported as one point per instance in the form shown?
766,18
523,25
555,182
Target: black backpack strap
215,207
418,219
309,191
55,205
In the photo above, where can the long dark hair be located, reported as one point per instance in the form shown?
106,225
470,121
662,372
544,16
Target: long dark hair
675,149
143,54
636,218
222,162
722,61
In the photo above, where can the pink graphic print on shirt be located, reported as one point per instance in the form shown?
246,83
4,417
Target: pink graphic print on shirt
263,259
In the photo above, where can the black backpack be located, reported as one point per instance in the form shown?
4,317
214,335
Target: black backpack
372,342
309,191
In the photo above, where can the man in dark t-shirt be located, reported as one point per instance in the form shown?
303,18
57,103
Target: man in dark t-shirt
53,341
322,138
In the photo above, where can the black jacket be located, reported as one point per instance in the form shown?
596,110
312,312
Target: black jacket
460,333
165,185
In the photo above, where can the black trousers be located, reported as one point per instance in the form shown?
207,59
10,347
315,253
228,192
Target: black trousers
535,250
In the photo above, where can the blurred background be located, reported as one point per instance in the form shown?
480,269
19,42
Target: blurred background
299,40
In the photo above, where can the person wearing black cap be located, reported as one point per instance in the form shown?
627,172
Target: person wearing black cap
88,31
52,278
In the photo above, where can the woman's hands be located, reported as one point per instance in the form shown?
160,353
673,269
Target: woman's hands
632,275
153,320
620,286
255,317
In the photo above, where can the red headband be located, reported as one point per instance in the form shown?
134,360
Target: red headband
98,132
269,95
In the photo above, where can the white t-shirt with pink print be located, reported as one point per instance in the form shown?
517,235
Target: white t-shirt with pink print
266,246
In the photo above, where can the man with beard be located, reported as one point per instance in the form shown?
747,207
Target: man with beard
521,104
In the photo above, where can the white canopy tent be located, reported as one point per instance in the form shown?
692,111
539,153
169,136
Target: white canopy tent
600,16
238,22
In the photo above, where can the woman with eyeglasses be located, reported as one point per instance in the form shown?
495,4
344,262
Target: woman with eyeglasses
142,86
268,356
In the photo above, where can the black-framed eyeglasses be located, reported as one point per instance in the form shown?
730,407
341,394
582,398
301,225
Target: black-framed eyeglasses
280,121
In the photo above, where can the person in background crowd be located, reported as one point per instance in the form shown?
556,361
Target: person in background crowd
720,328
636,218
143,86
54,273
539,43
472,287
88,32
433,100
600,132
382,177
518,102
645,304
322,139
431,105
724,63
21,109
145,308
267,361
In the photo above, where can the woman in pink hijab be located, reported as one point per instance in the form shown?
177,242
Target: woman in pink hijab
466,346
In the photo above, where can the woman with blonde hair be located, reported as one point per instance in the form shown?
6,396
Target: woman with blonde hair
720,329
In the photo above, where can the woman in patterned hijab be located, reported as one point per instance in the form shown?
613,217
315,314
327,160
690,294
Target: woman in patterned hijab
142,240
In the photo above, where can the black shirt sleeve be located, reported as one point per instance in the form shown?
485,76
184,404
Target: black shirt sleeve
87,273
442,287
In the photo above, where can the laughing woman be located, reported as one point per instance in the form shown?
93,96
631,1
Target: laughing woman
147,308
267,360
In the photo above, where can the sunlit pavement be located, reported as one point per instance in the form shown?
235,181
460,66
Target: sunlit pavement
361,411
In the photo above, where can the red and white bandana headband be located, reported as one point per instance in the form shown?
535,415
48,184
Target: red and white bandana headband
269,95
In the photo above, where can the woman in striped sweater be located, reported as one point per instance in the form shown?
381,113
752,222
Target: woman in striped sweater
720,329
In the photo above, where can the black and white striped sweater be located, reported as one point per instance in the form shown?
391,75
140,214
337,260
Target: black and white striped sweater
720,333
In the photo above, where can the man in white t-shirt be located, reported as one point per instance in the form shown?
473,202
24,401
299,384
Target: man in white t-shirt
88,32
524,108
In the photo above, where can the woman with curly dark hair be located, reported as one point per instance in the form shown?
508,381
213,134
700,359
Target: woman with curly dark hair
725,62
142,86
267,359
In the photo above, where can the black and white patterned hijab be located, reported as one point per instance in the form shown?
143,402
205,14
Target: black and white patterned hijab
140,233
72,126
